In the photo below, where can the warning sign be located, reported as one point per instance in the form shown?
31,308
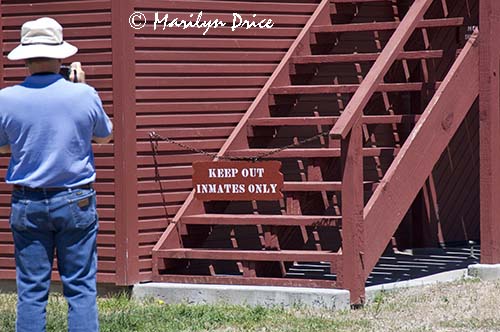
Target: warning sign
237,180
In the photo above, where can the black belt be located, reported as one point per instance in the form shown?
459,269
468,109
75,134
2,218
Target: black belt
24,188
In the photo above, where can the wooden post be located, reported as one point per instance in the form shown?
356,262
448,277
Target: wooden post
352,275
490,130
126,205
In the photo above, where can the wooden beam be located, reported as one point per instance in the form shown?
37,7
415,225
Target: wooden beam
364,57
127,241
490,131
251,255
309,186
416,159
309,153
376,74
352,272
348,88
329,120
256,219
357,1
381,26
240,280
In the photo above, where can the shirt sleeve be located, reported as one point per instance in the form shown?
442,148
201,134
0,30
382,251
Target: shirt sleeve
102,124
4,139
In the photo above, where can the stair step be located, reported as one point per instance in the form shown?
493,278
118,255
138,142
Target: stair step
321,185
308,153
312,186
257,219
330,120
347,88
378,26
250,255
364,57
246,280
358,1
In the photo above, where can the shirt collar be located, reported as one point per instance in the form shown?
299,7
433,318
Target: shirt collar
41,80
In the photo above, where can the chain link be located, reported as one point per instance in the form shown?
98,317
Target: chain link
155,138
154,150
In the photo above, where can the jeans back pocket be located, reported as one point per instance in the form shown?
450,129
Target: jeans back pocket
18,220
83,208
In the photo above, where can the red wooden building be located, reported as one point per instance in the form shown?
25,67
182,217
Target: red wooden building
405,151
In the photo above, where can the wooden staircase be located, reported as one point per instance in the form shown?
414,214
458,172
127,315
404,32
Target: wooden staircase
389,111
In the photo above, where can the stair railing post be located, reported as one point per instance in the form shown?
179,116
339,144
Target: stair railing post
352,275
489,116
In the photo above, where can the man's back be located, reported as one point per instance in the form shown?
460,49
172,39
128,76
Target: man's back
49,124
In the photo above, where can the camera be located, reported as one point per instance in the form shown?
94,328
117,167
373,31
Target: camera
66,72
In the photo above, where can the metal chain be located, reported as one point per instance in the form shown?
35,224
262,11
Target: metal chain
155,137
154,140
154,149
277,150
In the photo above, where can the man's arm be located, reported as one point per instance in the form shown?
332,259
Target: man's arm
76,68
5,149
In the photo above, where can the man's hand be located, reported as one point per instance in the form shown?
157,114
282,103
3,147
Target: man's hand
5,149
76,67
102,140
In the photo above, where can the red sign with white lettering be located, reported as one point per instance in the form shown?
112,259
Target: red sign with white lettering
237,180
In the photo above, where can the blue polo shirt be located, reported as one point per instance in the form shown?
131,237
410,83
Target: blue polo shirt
49,123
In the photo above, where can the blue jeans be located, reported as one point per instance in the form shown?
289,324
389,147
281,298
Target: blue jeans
67,222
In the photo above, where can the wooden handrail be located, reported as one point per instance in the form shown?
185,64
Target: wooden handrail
295,49
421,151
389,54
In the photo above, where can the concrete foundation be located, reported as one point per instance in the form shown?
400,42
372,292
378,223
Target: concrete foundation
332,299
485,271
447,276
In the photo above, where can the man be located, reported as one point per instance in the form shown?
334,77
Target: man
47,123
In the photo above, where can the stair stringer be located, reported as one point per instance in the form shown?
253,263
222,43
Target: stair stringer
420,153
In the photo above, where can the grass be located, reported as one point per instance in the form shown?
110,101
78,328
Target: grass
461,306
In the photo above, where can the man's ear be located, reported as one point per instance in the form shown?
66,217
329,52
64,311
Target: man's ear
28,62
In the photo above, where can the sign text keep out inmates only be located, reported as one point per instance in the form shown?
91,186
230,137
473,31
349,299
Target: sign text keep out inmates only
237,180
